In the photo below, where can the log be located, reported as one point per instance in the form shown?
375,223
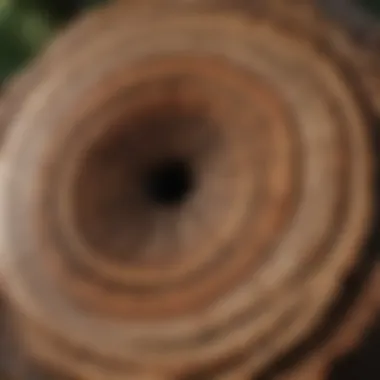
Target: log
188,191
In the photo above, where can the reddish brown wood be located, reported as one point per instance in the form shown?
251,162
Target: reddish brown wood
266,270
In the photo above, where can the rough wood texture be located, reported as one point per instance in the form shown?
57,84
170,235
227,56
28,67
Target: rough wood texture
266,270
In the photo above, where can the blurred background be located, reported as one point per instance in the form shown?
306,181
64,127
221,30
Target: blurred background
26,25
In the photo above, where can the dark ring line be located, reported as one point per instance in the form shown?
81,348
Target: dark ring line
55,182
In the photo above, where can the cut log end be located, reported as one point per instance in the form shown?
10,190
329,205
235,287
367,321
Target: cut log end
188,194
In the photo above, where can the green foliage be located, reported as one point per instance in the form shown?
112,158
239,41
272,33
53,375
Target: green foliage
22,32
26,26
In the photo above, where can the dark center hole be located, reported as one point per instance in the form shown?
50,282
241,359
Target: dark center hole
169,183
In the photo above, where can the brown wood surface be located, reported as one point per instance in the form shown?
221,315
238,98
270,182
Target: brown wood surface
267,271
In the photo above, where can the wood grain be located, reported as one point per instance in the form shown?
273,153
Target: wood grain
266,271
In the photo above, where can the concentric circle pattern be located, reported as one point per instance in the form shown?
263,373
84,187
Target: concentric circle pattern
108,283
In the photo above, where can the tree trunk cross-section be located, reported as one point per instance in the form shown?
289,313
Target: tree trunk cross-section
189,191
